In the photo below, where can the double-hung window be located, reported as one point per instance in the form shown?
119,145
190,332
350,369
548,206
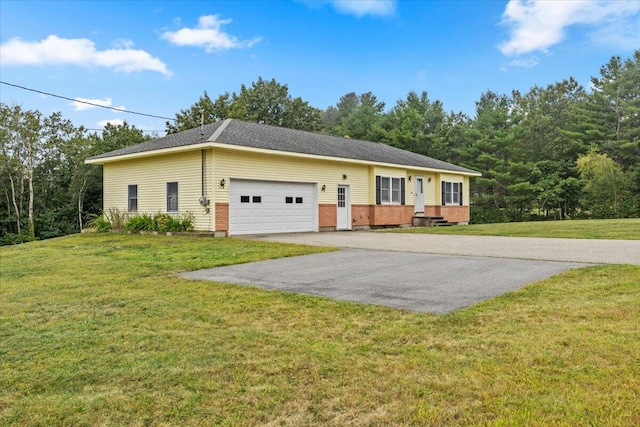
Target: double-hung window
132,205
172,197
389,190
451,193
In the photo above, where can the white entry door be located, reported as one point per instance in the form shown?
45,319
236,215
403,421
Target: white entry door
418,199
344,208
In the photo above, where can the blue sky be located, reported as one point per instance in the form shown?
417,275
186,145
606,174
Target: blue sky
159,57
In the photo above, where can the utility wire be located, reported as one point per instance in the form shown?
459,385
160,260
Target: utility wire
141,130
86,102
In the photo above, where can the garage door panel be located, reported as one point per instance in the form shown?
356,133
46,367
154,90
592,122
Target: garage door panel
272,214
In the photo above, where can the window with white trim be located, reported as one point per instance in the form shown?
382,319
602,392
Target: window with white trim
389,190
132,205
172,197
451,193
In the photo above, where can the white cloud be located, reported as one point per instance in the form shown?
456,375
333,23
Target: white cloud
123,44
82,105
360,8
208,34
525,62
113,122
537,25
59,51
624,34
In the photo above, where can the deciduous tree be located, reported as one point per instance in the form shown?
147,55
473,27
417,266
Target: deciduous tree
607,188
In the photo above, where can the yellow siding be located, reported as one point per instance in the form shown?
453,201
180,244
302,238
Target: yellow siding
452,178
393,172
230,164
429,187
151,174
466,190
398,172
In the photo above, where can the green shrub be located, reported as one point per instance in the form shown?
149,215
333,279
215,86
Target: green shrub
162,222
100,224
14,239
186,221
116,217
144,222
487,215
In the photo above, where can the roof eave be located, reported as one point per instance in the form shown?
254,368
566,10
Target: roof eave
150,153
221,145
339,159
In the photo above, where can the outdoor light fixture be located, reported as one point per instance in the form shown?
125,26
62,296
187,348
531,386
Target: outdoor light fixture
429,179
344,176
409,178
222,183
324,187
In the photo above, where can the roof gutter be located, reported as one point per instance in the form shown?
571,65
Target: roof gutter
158,152
336,159
204,145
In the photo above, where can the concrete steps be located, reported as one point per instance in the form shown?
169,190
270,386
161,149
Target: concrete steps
430,221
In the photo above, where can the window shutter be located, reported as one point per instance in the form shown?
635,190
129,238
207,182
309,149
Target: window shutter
378,179
443,193
460,188
402,191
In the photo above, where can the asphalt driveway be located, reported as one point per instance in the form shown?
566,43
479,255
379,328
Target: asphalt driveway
405,280
419,272
590,251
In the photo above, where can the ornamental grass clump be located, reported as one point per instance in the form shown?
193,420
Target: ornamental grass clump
115,220
106,222
144,222
160,222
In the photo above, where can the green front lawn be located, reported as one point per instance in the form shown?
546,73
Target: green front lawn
95,330
625,229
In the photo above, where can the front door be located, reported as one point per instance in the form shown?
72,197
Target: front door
344,208
418,200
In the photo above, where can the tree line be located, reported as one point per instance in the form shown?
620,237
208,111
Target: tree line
46,189
555,152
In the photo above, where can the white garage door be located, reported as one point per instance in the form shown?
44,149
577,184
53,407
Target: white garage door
272,207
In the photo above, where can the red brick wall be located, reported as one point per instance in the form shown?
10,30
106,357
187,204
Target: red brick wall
455,213
432,211
391,214
222,217
366,215
450,213
361,215
395,215
327,215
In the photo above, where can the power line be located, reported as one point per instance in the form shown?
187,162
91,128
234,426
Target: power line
85,102
141,130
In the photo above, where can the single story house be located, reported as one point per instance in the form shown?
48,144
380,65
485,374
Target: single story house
237,177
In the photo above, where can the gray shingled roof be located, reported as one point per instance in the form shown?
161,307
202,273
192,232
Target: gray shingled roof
247,134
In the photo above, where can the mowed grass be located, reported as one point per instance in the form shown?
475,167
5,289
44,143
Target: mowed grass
618,229
96,330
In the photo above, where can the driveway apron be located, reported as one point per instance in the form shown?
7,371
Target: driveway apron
411,281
